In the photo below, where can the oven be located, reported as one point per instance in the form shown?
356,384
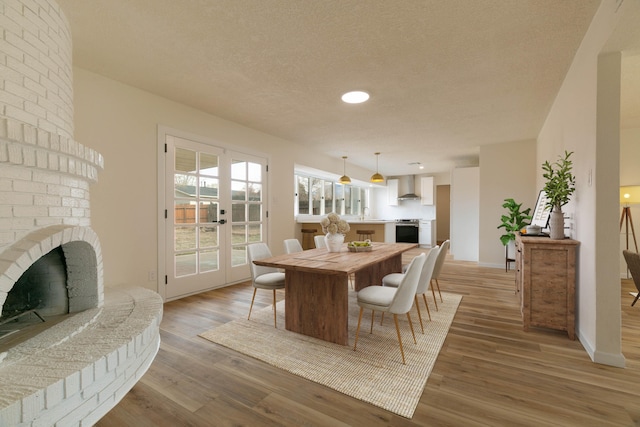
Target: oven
407,230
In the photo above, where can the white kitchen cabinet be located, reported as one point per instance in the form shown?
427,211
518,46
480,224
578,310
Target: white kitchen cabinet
426,236
392,192
426,184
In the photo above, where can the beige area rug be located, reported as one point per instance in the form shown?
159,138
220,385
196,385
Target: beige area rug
374,373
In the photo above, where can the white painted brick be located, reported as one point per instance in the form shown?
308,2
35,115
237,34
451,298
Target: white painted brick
11,50
4,152
59,211
15,154
14,172
29,187
54,394
42,159
30,211
58,190
28,156
21,115
45,222
46,200
32,406
71,385
12,414
46,177
14,198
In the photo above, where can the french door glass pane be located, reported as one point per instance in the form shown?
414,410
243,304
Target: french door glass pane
184,185
185,160
238,212
255,233
209,164
238,170
238,255
238,234
238,190
208,237
185,212
209,212
255,212
185,264
255,192
209,260
255,172
185,238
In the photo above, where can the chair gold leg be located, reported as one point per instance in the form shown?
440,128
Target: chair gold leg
419,314
251,306
434,297
440,293
411,326
424,297
382,318
373,313
355,343
395,318
275,324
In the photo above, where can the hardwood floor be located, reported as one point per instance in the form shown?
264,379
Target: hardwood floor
489,372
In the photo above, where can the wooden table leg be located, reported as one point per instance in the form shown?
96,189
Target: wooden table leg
373,274
317,305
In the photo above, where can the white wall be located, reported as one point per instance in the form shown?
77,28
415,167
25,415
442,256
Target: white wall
585,119
465,213
507,170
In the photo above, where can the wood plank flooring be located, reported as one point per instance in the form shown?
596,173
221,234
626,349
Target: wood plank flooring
489,372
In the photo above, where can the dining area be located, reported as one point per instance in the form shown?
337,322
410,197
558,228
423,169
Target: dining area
316,284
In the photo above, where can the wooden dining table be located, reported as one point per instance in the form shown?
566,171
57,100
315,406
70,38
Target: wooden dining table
317,285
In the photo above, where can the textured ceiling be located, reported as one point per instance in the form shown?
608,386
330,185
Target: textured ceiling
444,76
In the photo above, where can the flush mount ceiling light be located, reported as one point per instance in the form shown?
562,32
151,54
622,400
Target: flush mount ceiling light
376,177
344,179
355,97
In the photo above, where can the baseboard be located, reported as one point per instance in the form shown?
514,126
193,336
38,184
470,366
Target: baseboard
609,359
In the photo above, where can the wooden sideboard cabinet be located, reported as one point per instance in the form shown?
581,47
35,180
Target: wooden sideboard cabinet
546,282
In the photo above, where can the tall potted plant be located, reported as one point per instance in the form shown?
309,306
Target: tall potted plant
515,220
559,186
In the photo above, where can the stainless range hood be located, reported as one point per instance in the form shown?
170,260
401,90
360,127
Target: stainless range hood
410,194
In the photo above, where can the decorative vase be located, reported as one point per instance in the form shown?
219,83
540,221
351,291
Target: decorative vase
334,241
556,224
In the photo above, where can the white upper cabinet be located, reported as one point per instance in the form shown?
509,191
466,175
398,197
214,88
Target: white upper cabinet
426,183
392,192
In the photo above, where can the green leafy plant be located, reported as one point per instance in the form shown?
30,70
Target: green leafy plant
560,183
515,220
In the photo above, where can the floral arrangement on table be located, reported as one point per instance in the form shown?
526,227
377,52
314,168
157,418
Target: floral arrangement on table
334,229
333,224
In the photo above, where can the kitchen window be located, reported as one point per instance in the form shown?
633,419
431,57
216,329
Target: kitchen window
318,196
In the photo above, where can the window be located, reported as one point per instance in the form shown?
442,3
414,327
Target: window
317,196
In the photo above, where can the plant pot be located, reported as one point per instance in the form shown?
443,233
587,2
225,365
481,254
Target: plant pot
334,241
556,224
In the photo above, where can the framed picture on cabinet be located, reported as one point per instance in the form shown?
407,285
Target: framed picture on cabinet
541,212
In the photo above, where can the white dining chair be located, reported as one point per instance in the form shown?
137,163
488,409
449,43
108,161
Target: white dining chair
319,241
264,277
292,246
392,300
444,249
424,283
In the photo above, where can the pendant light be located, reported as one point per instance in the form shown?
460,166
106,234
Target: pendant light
376,177
344,179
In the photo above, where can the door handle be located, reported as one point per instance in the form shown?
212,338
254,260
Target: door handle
222,221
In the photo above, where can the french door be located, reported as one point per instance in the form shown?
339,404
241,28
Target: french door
214,207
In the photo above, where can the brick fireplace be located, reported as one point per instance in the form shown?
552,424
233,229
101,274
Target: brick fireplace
76,370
